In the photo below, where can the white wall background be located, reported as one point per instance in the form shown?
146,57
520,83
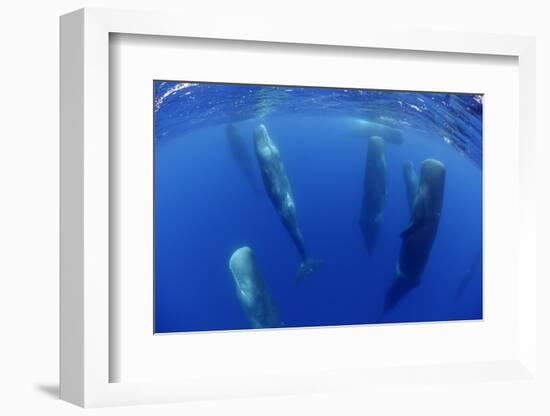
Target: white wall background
29,205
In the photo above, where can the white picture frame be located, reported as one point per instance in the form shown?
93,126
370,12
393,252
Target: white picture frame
85,200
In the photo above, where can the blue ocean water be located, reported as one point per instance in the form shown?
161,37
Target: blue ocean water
210,200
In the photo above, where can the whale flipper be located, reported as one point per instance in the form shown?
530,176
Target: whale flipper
416,223
411,228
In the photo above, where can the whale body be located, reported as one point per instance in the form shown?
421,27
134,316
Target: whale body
417,239
252,291
411,182
366,128
374,192
241,152
279,191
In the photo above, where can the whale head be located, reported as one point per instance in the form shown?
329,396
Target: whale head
243,267
364,128
432,185
376,142
261,136
251,290
264,146
433,174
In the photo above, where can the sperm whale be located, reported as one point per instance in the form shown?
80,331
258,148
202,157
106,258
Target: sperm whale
252,291
365,128
417,239
374,192
279,191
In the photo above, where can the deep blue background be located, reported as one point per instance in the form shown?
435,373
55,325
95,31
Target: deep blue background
206,209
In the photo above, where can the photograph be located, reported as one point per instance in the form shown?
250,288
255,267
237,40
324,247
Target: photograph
281,206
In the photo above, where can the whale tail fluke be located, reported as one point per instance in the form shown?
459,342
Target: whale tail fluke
307,267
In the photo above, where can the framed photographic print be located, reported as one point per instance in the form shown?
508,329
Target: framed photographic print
266,213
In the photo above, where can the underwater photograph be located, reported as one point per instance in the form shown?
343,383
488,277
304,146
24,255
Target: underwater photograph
291,206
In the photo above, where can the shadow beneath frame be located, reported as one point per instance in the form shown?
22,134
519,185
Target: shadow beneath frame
51,390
